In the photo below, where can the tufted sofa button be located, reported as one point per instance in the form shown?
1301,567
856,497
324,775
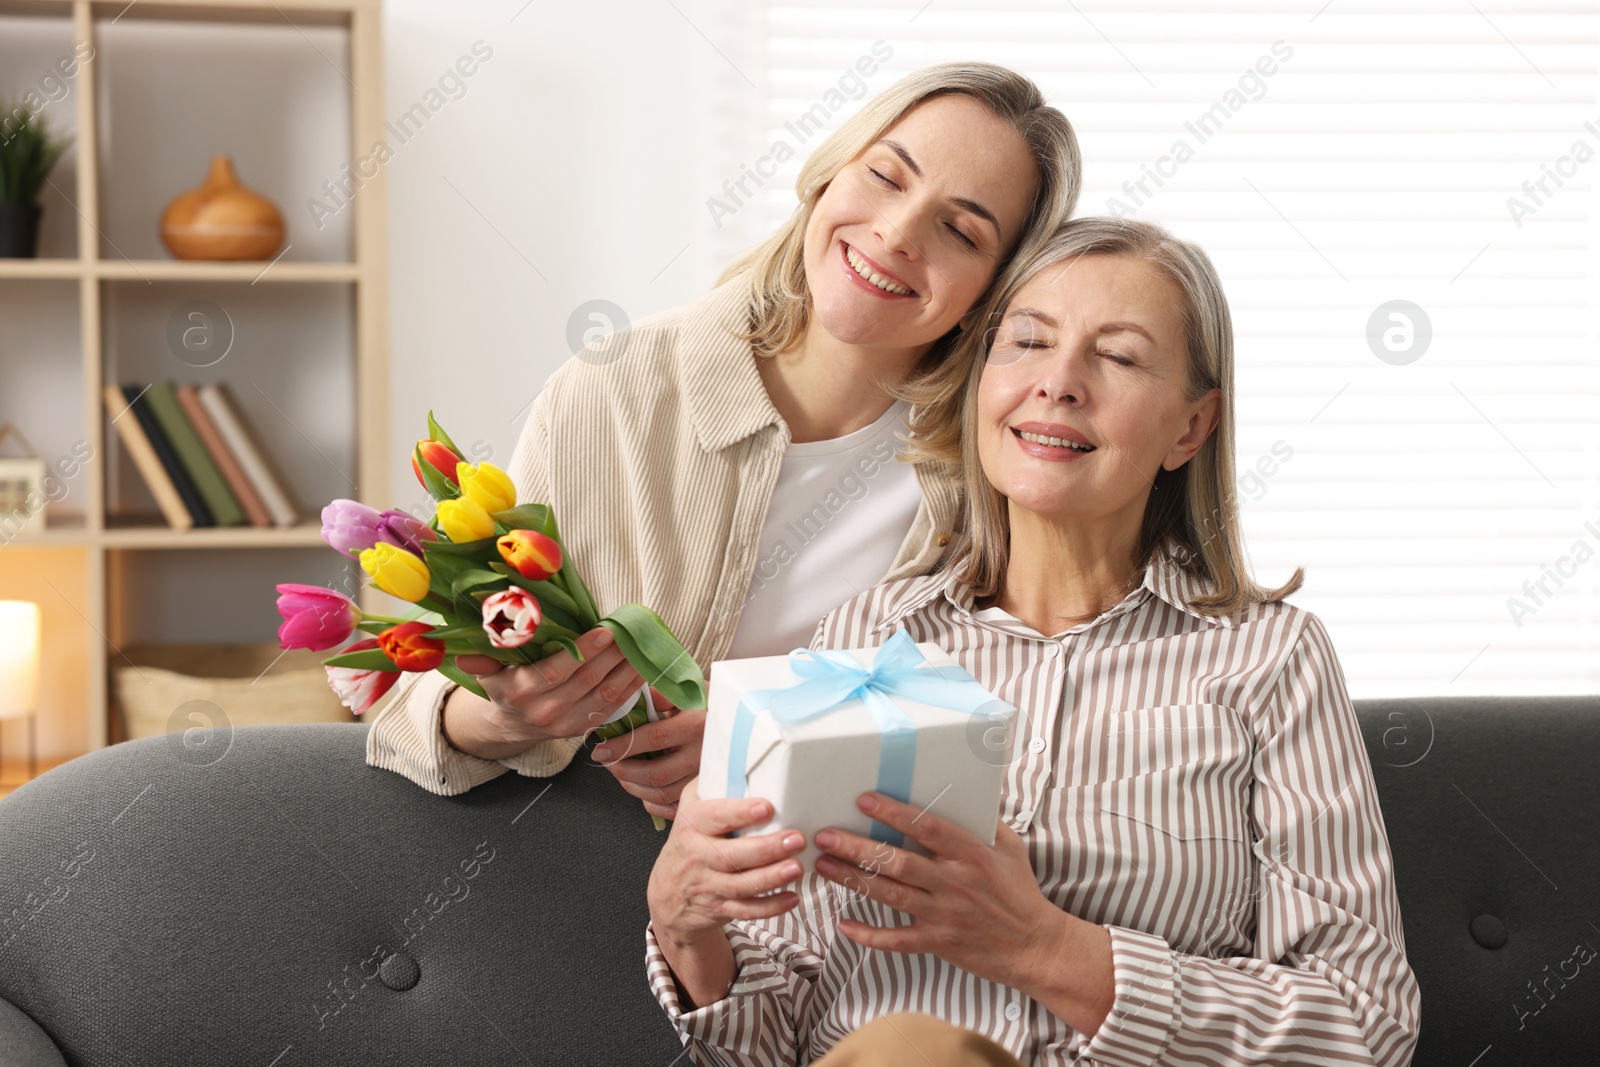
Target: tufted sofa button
399,971
1489,931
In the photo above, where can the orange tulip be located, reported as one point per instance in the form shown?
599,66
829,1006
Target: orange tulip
410,651
531,554
439,457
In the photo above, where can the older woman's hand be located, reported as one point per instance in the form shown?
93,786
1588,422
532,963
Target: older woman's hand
658,782
977,907
702,878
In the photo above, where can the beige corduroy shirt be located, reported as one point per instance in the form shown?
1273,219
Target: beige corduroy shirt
659,452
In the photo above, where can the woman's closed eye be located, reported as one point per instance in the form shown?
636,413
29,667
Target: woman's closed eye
954,230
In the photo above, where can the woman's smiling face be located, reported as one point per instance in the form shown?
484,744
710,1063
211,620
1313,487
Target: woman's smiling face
1083,395
932,208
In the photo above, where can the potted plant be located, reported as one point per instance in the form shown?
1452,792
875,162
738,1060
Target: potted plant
28,151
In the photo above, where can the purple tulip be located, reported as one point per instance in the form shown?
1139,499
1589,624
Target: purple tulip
404,531
350,526
314,616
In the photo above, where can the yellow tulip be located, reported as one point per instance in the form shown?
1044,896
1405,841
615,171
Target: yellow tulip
487,486
396,571
464,519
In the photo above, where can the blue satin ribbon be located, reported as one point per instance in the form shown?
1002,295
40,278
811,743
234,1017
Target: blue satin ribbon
833,678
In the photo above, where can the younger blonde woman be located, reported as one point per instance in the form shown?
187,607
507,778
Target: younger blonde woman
732,463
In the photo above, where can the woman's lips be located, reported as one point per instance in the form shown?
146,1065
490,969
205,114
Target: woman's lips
844,261
1054,453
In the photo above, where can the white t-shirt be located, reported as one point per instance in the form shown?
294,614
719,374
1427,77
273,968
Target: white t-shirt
838,515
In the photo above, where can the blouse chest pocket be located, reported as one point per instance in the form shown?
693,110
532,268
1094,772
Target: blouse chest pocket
1183,768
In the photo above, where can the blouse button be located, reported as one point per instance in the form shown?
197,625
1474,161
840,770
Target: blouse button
1052,650
1013,1011
1036,745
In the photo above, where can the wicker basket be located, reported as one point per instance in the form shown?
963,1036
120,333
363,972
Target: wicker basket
164,678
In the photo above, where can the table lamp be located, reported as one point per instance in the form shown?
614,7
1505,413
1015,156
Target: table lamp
19,668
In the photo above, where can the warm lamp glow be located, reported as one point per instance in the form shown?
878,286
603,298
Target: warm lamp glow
19,658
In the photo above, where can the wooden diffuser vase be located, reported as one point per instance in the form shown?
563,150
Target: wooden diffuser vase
221,219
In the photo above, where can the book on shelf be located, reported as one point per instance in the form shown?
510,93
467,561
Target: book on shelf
218,402
153,460
137,398
203,470
201,461
255,511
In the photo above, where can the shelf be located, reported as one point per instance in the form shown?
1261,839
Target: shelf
306,12
272,83
155,536
160,270
149,533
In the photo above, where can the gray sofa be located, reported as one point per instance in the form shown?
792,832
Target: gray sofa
260,896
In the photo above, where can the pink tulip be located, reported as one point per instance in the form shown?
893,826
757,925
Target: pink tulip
358,690
510,617
314,616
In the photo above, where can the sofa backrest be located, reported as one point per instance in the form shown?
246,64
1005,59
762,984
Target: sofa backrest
1492,805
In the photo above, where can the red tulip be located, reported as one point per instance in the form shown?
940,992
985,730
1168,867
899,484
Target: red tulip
358,690
531,554
439,457
410,651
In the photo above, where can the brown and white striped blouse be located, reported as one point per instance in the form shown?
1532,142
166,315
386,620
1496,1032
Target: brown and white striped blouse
1198,785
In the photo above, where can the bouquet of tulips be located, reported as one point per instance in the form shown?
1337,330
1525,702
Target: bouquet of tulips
491,578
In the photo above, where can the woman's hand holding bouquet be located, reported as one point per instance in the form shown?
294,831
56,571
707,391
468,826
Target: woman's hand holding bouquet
492,579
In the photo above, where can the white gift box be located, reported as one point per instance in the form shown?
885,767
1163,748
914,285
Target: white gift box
814,769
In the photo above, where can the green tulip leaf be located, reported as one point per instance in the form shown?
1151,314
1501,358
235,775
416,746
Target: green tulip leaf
523,517
466,681
436,433
368,659
658,656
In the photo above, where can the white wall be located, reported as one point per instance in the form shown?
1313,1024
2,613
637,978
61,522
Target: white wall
568,171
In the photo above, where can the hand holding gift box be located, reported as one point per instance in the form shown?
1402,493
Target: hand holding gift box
812,731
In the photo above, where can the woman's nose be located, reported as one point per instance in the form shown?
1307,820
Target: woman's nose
1061,377
901,230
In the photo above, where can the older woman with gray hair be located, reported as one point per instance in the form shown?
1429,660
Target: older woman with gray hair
1190,864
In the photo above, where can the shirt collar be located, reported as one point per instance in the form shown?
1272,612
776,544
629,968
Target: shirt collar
722,391
1163,578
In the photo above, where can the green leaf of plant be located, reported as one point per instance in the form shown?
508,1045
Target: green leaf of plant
482,550
466,681
368,659
658,656
436,433
524,517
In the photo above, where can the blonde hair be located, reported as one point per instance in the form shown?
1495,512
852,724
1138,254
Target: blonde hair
779,299
1192,512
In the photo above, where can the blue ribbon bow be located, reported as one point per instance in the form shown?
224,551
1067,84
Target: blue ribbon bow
834,678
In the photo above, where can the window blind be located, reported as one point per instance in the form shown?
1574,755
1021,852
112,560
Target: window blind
1400,199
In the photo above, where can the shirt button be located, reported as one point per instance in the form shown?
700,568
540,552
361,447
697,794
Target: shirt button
1052,650
1025,815
1036,745
1013,1011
